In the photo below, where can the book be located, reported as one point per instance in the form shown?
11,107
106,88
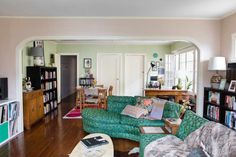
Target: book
94,142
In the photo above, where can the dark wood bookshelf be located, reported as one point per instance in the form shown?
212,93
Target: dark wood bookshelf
45,78
210,108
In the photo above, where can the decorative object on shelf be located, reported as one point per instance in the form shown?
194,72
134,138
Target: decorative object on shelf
232,86
222,84
152,64
179,85
87,63
188,83
216,64
27,84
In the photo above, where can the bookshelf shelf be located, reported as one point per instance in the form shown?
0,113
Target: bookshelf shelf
45,78
224,111
9,120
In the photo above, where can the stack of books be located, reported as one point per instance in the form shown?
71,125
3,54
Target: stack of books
94,142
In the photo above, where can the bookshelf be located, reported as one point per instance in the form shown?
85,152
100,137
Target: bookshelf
220,106
45,78
86,82
9,120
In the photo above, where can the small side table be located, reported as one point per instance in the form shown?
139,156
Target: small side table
172,125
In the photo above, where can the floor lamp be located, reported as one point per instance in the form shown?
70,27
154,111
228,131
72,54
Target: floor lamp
152,65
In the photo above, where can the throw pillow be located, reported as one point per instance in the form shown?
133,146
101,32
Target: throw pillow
145,103
197,152
133,111
157,109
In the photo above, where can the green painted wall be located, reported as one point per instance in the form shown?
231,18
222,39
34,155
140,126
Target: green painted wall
91,51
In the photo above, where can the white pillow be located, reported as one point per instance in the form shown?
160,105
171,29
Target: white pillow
133,111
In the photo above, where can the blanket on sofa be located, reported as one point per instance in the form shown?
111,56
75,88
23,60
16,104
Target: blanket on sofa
213,138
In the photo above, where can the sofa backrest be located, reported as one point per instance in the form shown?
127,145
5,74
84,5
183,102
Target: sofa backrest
190,123
171,110
118,103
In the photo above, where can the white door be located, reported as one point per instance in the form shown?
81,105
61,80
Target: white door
109,71
134,74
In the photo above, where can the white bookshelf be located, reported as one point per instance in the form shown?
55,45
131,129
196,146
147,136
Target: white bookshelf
9,120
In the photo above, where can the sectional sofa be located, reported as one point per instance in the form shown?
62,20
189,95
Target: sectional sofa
193,131
114,124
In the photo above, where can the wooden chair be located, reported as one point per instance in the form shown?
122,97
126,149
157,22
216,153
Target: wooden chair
99,85
110,90
102,98
80,98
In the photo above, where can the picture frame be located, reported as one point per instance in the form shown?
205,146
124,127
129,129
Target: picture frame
222,84
38,43
87,63
232,86
155,67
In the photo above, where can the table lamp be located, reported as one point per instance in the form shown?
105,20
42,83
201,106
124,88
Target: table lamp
151,66
216,64
37,53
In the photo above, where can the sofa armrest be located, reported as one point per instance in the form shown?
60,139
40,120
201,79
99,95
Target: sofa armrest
145,139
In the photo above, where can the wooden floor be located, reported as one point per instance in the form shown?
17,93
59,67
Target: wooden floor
54,136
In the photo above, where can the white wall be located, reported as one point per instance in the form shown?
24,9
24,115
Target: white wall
14,33
228,30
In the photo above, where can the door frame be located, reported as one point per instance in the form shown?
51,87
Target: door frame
99,55
58,65
144,68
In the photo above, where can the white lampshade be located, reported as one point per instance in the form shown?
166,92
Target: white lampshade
217,63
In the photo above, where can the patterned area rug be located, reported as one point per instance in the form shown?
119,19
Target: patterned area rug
73,114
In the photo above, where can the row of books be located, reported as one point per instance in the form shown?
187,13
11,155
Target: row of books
3,114
49,96
49,85
48,75
214,97
230,119
50,106
86,81
213,112
230,102
13,110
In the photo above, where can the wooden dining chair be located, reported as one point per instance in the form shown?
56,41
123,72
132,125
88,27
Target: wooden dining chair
110,90
80,98
102,98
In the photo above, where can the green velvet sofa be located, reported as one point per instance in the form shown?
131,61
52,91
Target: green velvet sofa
114,124
190,123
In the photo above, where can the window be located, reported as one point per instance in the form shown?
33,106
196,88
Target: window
182,65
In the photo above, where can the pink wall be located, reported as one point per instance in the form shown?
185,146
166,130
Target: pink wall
204,33
228,29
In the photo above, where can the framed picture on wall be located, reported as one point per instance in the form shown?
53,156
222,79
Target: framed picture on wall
38,43
232,86
87,63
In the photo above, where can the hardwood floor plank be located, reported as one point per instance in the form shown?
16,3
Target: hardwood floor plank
54,136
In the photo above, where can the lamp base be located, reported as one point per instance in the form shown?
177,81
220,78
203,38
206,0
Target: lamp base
215,80
38,61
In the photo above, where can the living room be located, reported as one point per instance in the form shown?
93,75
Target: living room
212,35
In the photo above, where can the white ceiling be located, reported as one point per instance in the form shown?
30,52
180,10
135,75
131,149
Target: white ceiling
206,9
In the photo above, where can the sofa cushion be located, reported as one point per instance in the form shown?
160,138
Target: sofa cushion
197,152
167,146
145,139
190,123
133,111
216,139
140,121
101,116
118,103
